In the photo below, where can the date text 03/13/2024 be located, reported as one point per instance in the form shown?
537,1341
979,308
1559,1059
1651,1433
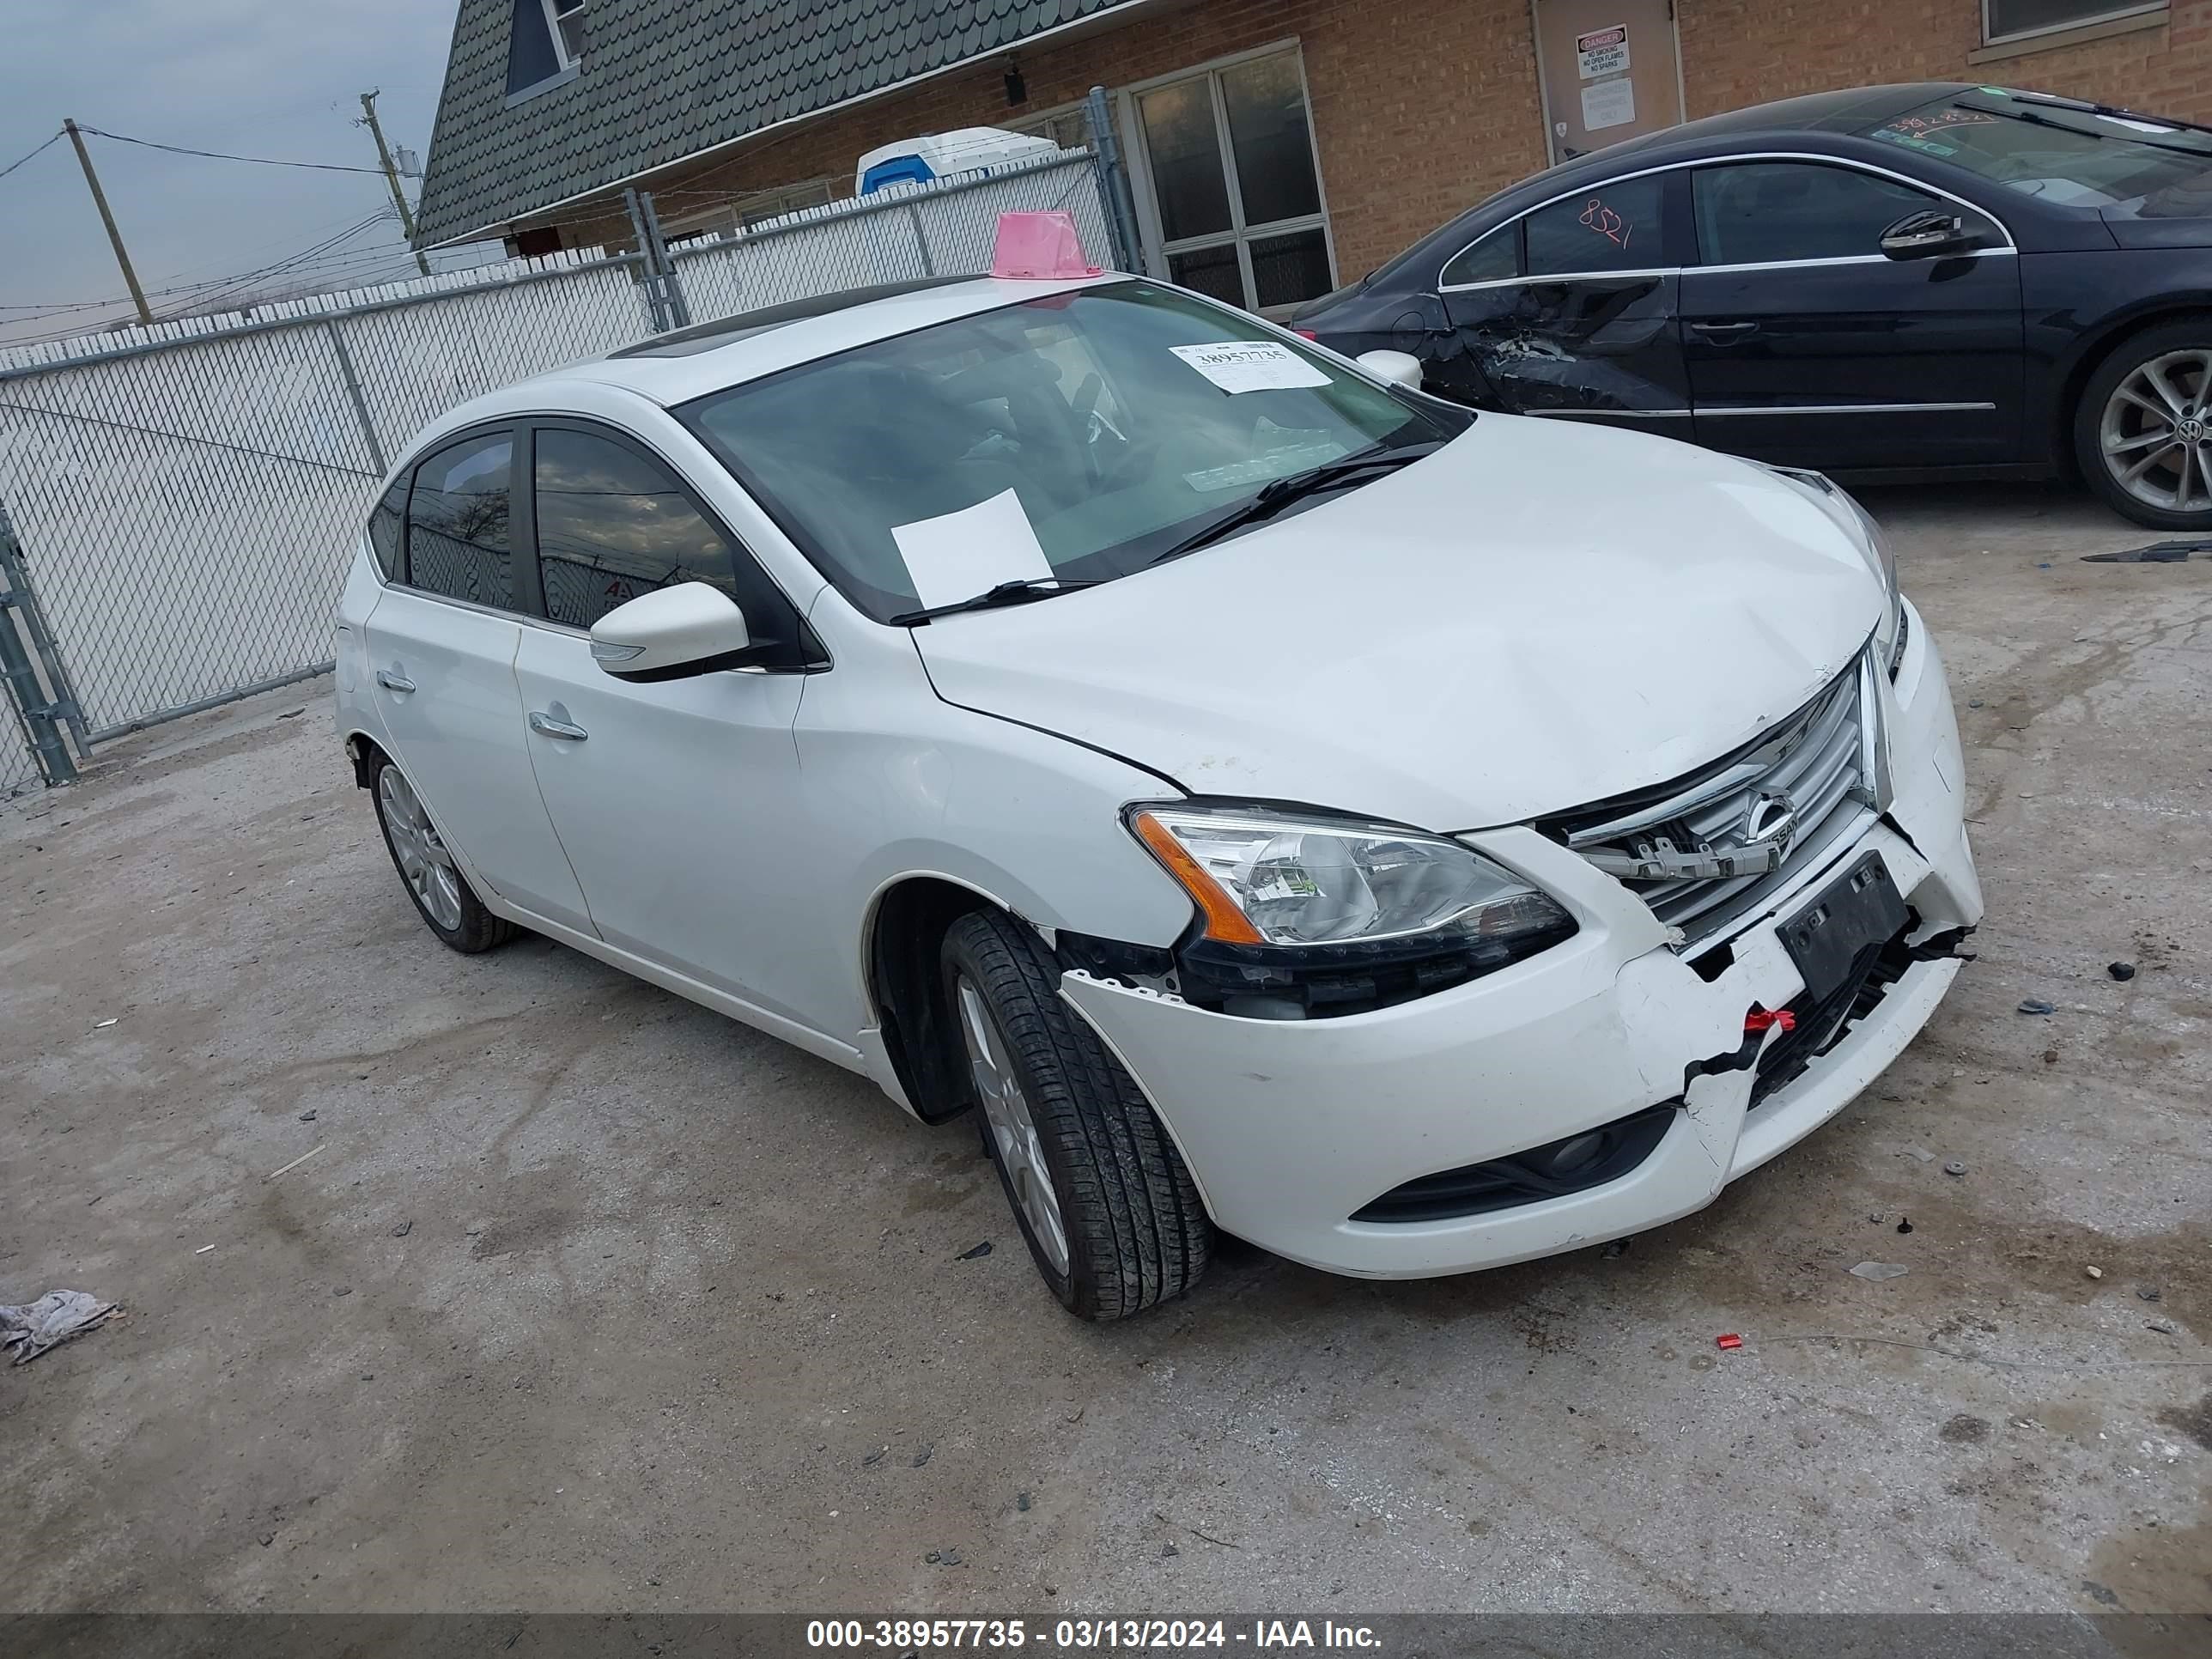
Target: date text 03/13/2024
1087,1635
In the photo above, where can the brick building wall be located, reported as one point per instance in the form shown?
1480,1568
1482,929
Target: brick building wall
1423,107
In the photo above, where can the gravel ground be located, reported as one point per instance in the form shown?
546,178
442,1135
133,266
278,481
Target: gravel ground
589,1299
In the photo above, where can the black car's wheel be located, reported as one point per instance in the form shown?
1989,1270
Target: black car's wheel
441,893
1111,1215
2143,429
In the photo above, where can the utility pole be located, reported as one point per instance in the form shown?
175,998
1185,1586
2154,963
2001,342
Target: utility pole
392,178
114,236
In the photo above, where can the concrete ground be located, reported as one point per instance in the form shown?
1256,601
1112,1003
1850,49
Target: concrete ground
589,1299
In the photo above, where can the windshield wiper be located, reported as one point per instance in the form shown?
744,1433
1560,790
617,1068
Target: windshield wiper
2036,119
1018,592
1279,493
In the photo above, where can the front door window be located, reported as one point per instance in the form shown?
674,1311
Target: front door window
1235,188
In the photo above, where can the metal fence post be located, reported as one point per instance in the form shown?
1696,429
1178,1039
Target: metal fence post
921,242
1114,183
17,574
671,288
41,715
648,271
353,391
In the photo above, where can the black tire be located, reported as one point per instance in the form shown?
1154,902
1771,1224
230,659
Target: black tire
1135,1230
472,929
2099,417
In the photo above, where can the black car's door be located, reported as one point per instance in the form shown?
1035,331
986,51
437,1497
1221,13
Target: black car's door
1571,309
1807,345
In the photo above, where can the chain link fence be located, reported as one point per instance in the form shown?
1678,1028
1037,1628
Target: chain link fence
184,509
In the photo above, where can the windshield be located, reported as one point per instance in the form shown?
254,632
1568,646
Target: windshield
2066,153
1076,435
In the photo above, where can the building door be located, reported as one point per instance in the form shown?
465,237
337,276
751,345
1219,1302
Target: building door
1610,71
1234,205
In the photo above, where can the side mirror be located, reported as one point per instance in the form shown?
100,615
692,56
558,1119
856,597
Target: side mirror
670,634
1928,233
1400,368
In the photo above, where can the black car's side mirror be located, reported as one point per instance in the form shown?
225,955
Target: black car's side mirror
1928,233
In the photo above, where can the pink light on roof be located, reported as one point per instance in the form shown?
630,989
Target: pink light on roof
1040,245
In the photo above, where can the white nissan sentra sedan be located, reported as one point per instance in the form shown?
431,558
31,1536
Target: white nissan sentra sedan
1409,840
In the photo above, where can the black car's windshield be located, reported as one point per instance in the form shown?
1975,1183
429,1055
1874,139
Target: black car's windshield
2070,154
1075,435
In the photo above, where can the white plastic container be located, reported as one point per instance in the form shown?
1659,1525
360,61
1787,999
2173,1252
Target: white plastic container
968,149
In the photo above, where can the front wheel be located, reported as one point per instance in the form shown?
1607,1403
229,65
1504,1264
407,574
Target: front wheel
2143,429
1112,1216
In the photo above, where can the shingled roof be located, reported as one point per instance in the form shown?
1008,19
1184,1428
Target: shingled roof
663,79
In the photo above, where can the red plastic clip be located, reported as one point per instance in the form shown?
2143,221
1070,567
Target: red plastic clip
1760,1018
1731,1340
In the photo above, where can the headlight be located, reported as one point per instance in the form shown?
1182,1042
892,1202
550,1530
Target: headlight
1336,913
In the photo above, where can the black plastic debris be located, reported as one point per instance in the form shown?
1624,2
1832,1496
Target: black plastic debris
984,1248
2037,1005
2123,971
2156,553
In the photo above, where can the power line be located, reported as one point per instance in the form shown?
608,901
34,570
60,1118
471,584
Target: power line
12,166
220,155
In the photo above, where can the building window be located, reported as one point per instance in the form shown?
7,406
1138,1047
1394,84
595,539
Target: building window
1235,192
565,18
544,42
1069,128
2016,20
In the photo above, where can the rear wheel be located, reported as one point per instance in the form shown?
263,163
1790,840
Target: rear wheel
2143,429
441,893
1112,1216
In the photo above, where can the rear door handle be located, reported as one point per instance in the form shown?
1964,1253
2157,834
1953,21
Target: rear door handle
1724,330
391,680
546,726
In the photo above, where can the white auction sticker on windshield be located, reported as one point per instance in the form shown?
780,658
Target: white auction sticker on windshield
958,555
1251,365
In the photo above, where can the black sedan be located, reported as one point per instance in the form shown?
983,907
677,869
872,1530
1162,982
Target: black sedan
1887,281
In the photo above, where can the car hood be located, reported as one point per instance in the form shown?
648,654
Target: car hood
1536,617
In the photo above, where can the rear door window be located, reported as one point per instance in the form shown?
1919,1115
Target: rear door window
1607,228
460,537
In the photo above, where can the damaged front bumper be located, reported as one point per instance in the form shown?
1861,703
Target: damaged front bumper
1293,1128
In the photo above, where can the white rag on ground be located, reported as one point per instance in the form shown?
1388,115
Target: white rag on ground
53,1318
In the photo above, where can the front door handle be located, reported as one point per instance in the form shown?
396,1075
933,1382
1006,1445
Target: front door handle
546,726
1724,330
392,680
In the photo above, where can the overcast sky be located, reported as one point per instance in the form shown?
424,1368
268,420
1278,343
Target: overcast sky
259,78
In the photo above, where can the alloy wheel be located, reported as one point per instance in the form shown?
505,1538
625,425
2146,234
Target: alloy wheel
423,860
1012,1127
2156,432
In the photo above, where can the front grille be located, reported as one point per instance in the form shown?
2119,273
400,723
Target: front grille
1689,848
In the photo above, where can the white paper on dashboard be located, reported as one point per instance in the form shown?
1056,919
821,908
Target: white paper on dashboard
1251,365
958,555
